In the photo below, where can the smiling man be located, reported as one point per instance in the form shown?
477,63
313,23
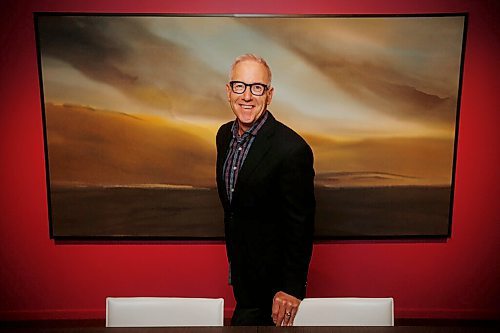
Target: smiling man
265,181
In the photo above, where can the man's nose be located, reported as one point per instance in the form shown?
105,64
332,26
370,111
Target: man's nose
247,94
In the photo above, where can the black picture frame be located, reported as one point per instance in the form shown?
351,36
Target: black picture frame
80,53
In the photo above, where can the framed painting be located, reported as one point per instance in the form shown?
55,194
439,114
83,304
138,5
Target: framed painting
131,105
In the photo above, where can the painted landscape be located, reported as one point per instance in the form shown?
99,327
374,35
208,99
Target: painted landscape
132,106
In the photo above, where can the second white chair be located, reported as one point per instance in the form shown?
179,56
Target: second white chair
345,312
163,311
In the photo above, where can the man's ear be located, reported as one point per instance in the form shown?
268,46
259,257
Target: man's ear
228,92
270,93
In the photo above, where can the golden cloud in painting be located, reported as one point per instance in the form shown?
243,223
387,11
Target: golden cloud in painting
104,148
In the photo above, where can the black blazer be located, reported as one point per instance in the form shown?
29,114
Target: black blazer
269,223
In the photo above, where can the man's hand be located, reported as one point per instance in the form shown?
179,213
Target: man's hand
285,308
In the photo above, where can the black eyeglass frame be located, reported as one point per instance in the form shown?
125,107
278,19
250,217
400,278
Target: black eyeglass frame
251,85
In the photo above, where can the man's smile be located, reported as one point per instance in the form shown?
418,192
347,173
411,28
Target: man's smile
246,106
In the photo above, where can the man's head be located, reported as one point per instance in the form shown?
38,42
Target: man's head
249,90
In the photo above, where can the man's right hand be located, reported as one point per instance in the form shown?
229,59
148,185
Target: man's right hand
285,308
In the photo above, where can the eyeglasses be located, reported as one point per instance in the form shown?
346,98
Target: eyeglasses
257,89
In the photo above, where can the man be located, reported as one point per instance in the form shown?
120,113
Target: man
265,181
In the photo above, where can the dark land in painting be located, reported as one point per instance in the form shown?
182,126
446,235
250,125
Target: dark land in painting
186,213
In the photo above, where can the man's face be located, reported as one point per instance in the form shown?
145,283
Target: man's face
248,107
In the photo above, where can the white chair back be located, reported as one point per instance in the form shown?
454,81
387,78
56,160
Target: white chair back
163,311
345,312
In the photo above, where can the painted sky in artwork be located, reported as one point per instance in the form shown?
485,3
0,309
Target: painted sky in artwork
375,97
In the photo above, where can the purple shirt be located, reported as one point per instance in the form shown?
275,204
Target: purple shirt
238,151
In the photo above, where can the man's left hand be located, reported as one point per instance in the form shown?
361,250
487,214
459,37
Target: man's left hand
285,308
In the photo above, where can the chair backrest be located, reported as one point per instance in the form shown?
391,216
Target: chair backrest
345,312
163,311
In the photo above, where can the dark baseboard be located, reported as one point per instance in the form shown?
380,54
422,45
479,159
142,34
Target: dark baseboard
54,323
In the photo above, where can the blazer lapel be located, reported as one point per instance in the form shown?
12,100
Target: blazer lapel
259,149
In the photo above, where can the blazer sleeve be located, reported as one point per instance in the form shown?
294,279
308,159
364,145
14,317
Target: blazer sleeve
298,203
222,141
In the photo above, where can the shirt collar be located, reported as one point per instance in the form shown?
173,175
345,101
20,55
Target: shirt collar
252,130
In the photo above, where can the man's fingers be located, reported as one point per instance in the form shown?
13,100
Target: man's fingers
281,312
293,312
288,314
276,308
284,309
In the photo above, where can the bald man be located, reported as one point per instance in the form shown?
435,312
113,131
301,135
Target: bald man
265,181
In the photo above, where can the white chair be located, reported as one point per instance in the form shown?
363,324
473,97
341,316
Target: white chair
345,312
163,311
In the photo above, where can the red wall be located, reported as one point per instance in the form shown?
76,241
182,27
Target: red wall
41,279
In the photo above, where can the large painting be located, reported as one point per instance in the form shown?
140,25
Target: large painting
131,105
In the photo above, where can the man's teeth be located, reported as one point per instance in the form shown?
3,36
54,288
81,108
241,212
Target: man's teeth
247,106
